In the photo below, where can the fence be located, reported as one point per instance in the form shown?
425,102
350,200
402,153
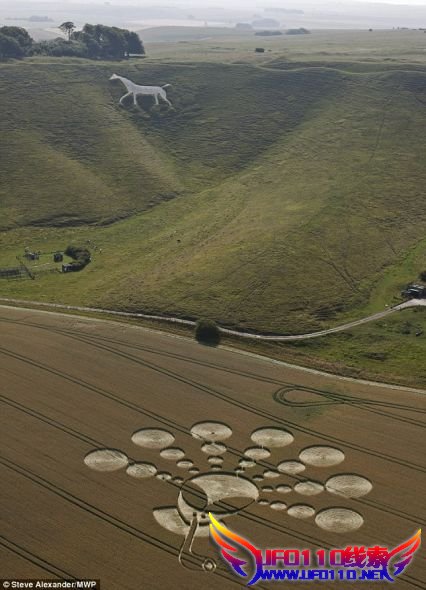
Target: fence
16,272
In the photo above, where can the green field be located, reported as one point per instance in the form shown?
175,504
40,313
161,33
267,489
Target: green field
363,50
283,193
391,350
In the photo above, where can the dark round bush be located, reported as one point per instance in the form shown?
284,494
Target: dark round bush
80,255
207,332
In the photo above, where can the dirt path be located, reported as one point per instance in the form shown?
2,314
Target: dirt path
341,328
175,320
290,366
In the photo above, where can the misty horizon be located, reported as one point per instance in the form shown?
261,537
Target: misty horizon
134,14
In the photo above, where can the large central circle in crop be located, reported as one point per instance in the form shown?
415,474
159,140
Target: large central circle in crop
219,493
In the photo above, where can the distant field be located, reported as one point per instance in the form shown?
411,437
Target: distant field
177,34
284,192
387,48
62,518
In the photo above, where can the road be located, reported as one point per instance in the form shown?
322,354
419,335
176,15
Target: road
248,335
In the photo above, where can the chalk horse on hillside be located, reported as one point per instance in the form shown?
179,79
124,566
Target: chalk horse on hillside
134,89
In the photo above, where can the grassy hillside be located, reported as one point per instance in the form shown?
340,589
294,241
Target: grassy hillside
67,154
391,350
269,199
70,154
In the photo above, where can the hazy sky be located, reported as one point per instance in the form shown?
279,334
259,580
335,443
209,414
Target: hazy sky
229,4
359,14
401,2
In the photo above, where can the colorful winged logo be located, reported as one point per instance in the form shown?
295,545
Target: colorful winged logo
378,558
229,544
405,553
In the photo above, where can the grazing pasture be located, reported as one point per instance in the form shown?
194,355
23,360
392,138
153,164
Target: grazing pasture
282,193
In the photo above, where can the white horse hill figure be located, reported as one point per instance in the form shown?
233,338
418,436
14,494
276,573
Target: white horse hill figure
136,90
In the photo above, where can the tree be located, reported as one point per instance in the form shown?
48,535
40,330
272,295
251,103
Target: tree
20,35
60,47
107,42
207,332
15,42
9,47
114,43
134,44
94,42
80,255
68,28
110,42
93,48
300,31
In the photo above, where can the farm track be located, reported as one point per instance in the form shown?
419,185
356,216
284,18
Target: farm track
231,371
118,523
154,541
178,427
34,559
360,404
94,511
268,465
83,438
101,343
245,406
335,398
350,400
303,369
143,348
248,335
209,391
338,398
264,464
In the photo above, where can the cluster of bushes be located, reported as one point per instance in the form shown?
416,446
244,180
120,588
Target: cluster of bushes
60,48
80,255
272,33
207,332
300,31
93,42
15,42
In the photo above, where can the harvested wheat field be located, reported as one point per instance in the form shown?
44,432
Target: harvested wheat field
114,436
